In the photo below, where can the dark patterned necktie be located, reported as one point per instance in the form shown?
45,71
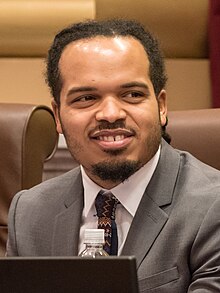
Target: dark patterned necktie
105,204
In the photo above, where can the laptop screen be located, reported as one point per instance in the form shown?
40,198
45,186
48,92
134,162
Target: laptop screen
68,274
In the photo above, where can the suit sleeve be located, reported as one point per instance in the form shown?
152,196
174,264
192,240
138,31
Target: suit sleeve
205,254
11,248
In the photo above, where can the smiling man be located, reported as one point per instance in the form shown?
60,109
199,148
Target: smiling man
108,106
108,84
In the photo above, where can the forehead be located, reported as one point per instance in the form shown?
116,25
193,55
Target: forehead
106,47
104,62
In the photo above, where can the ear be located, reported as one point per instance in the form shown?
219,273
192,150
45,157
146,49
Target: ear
56,112
162,104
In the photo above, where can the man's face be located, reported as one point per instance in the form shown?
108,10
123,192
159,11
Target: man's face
108,111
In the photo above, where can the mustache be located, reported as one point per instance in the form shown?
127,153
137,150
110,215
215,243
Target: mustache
108,125
117,125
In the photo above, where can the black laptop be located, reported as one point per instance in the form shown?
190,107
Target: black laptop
68,274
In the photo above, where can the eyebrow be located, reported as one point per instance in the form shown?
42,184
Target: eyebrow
81,89
135,84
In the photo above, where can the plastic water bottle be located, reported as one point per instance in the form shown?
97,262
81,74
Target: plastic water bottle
94,240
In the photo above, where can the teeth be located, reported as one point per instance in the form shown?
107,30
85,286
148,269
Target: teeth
119,137
111,138
108,138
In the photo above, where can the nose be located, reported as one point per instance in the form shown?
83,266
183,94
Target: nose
110,110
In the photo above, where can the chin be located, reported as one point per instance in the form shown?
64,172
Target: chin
115,170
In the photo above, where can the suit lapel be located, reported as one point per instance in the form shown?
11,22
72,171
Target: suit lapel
147,224
67,223
150,216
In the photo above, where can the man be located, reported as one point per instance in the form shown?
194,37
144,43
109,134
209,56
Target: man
107,79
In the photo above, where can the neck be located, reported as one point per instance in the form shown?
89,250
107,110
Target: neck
106,184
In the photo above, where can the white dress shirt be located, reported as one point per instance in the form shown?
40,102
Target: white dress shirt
129,193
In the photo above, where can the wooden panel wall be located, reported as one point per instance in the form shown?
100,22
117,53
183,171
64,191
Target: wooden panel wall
28,26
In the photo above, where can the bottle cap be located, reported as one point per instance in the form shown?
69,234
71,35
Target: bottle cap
94,236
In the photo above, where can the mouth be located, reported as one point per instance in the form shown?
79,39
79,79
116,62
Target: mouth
112,138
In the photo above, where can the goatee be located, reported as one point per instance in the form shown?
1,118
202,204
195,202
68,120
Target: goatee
115,171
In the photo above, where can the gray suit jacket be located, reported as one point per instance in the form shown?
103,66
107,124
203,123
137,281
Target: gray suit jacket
175,234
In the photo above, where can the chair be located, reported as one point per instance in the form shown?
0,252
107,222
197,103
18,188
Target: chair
198,132
28,138
61,162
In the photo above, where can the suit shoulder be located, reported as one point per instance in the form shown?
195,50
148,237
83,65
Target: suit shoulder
199,168
52,189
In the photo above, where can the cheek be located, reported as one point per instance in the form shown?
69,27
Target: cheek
149,125
146,118
74,126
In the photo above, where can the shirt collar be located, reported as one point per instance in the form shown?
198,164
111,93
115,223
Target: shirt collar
129,192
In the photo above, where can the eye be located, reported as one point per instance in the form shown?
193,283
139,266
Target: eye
85,98
83,101
133,96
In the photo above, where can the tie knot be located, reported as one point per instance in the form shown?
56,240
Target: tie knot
105,204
